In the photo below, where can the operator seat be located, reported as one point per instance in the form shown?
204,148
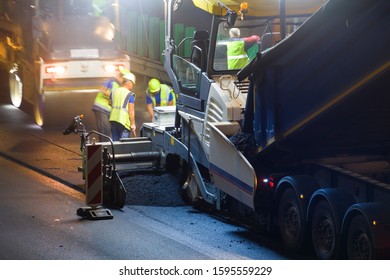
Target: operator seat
199,49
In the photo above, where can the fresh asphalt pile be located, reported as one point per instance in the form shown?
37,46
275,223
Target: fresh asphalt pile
151,189
245,143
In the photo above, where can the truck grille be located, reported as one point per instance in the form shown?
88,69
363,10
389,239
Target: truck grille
215,114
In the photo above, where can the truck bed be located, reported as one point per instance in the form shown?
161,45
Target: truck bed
324,91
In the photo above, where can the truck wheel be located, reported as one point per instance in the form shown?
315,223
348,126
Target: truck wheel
15,89
325,238
360,245
291,220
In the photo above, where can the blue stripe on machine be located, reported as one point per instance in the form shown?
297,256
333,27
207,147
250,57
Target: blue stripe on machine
233,180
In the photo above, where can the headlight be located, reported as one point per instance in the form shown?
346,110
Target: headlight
111,68
55,70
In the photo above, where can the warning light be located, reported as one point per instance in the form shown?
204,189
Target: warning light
243,9
111,68
269,181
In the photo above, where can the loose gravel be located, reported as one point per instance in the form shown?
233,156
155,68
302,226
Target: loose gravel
151,189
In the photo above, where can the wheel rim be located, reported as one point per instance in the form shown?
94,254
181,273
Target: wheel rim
325,235
291,220
360,245
325,239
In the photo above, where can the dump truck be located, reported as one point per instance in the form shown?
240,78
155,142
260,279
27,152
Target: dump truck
58,54
297,141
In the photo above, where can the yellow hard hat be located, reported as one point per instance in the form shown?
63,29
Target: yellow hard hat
154,85
129,76
124,71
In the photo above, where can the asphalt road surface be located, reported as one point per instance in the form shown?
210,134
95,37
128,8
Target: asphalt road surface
39,221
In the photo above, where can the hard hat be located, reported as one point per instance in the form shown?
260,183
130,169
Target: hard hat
234,33
154,85
130,77
124,71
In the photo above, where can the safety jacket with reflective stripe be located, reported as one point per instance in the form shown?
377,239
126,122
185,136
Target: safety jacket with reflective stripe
102,102
120,112
164,96
237,57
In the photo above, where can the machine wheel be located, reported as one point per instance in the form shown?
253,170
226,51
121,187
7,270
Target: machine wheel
360,245
15,88
185,181
291,220
326,241
182,172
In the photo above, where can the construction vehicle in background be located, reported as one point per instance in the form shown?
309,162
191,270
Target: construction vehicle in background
58,54
298,140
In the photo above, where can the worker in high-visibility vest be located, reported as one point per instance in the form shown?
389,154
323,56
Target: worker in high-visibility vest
237,47
101,106
158,94
122,116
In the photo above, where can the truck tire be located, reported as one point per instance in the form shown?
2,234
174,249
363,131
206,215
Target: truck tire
326,241
15,89
292,224
360,244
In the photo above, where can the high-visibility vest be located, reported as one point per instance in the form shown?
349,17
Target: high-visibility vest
236,55
164,96
120,112
102,102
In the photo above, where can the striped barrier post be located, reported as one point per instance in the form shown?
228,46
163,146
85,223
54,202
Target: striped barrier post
94,181
94,185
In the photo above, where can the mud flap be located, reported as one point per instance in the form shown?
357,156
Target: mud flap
114,193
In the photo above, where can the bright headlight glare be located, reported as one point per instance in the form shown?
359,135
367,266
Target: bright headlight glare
55,69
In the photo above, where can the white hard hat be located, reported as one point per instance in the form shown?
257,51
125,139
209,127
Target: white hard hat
234,32
129,76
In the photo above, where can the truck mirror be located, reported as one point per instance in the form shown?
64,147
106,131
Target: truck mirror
198,57
231,17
